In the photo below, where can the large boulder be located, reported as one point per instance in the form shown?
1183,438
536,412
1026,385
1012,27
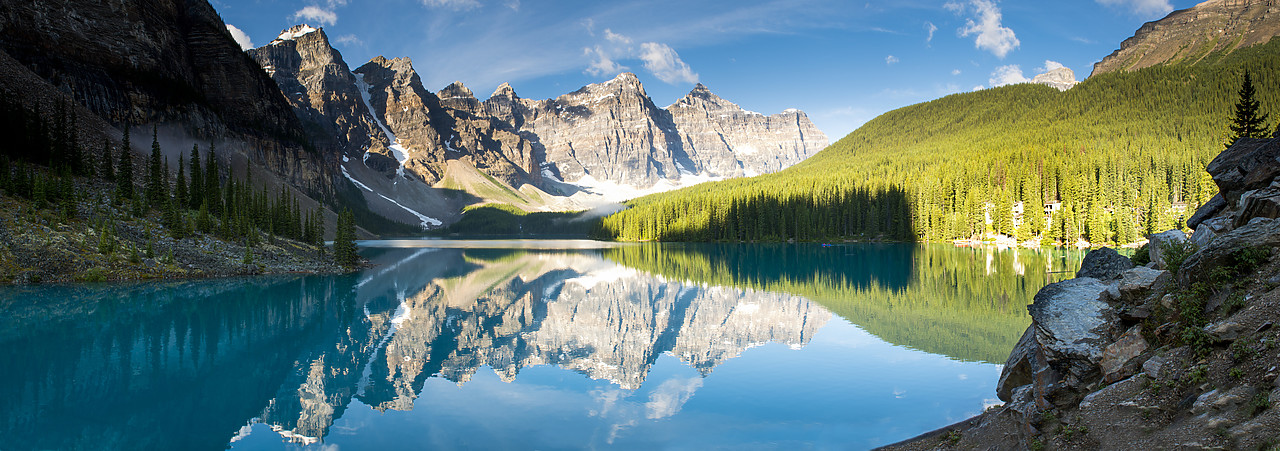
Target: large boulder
1264,232
1104,264
1249,164
1071,325
1158,243
1206,211
1020,366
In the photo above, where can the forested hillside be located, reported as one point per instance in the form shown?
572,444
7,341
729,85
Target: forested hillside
1119,156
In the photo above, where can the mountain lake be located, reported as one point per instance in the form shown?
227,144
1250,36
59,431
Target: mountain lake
527,345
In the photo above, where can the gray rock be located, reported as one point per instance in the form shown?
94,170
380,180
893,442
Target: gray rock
1220,401
1136,283
1248,164
1019,367
1116,356
1258,232
1263,203
1206,211
1160,241
1225,330
1073,325
1153,366
1104,264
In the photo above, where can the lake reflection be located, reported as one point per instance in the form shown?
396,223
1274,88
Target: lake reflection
549,346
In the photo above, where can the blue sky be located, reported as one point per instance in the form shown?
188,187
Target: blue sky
842,62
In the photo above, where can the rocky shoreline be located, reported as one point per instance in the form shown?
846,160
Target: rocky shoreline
42,245
1179,353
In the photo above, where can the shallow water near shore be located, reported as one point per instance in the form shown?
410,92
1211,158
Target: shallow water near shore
526,345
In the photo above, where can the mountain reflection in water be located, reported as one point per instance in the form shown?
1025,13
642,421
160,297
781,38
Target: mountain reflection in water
192,365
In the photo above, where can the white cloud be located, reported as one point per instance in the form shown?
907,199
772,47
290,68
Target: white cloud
513,4
456,5
1145,8
930,28
602,63
665,64
986,25
1007,75
615,37
659,59
316,15
241,37
979,88
349,39
890,60
955,71
1050,65
668,398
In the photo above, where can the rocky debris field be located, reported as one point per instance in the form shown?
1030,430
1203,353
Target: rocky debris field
45,245
1181,352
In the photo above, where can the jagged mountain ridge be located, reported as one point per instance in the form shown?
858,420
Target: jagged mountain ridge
534,154
1192,33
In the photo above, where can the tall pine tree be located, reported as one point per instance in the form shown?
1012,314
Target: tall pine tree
124,169
196,190
1248,123
155,181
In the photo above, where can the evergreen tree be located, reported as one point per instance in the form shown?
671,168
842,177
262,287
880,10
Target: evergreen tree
1248,123
204,222
212,186
180,185
124,169
344,245
107,172
155,191
196,191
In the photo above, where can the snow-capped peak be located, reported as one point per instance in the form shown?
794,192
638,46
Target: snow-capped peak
295,32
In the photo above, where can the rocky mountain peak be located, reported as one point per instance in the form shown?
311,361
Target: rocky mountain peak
702,97
504,91
1061,78
458,97
1190,34
298,31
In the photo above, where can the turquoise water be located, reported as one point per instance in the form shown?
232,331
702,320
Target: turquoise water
525,345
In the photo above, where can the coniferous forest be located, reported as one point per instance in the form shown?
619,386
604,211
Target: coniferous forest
49,166
1117,157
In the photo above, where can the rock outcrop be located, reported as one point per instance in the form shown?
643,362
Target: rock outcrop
1192,33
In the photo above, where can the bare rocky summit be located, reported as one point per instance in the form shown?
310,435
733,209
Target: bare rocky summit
1061,78
1192,33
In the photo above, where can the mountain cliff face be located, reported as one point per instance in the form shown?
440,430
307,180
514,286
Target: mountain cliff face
163,62
1190,34
722,138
